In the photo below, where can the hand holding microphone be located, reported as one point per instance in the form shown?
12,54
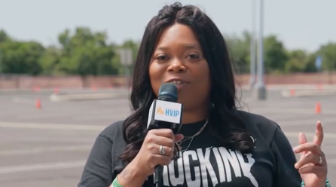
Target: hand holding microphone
157,149
164,122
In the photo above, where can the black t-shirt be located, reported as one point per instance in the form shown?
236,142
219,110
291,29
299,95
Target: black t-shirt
206,162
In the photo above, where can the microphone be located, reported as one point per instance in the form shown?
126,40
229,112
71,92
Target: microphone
165,112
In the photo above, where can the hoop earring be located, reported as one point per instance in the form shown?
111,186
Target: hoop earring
254,141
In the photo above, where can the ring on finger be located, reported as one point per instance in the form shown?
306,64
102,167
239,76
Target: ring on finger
314,159
162,150
320,160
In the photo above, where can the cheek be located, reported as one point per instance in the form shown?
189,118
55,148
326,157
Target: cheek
204,80
204,75
207,82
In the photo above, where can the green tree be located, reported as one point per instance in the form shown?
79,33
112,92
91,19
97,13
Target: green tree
328,54
128,44
21,57
50,60
85,53
275,56
3,36
297,61
239,49
310,65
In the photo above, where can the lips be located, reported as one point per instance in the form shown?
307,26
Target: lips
176,82
179,83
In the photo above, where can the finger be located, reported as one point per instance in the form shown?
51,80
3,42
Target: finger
159,160
152,139
155,150
163,132
309,147
307,159
319,171
318,138
161,140
168,151
302,140
162,160
178,137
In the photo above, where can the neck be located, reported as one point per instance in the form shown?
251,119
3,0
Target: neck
195,115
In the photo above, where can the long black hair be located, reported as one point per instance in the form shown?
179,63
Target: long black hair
224,122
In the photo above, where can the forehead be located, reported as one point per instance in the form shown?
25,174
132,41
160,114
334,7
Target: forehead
177,35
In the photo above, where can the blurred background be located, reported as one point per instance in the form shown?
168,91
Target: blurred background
65,71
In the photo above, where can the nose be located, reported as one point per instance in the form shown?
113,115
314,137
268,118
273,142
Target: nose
177,66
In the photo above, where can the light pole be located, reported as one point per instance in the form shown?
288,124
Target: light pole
260,91
253,47
126,59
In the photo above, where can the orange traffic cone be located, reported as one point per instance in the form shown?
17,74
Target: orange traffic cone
36,89
318,108
292,92
38,104
56,91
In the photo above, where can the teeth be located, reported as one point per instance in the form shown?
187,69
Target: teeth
176,82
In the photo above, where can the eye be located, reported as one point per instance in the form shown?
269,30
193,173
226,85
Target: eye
194,56
161,58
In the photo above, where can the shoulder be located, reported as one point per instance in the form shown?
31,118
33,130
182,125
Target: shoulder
257,119
113,131
258,124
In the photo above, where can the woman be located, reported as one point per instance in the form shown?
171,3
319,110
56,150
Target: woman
220,145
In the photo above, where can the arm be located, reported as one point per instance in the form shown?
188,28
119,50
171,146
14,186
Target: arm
131,176
97,170
286,174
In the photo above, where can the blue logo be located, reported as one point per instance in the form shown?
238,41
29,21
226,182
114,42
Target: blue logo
171,112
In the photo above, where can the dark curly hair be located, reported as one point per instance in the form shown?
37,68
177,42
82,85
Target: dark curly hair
224,122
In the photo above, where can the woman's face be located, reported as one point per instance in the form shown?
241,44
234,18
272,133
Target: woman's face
178,59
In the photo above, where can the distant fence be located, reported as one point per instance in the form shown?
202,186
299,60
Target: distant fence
29,82
297,78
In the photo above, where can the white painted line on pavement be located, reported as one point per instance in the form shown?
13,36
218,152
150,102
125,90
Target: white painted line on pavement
41,167
33,116
309,93
100,117
100,128
284,110
326,121
310,135
51,126
60,165
43,150
23,100
86,96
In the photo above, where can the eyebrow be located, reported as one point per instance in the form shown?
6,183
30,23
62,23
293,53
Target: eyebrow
186,46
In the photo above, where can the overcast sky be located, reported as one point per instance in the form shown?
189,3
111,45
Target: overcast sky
304,24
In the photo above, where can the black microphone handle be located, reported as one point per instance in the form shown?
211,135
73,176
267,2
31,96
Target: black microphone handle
158,175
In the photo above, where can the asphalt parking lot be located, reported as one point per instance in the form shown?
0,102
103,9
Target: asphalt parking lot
48,146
